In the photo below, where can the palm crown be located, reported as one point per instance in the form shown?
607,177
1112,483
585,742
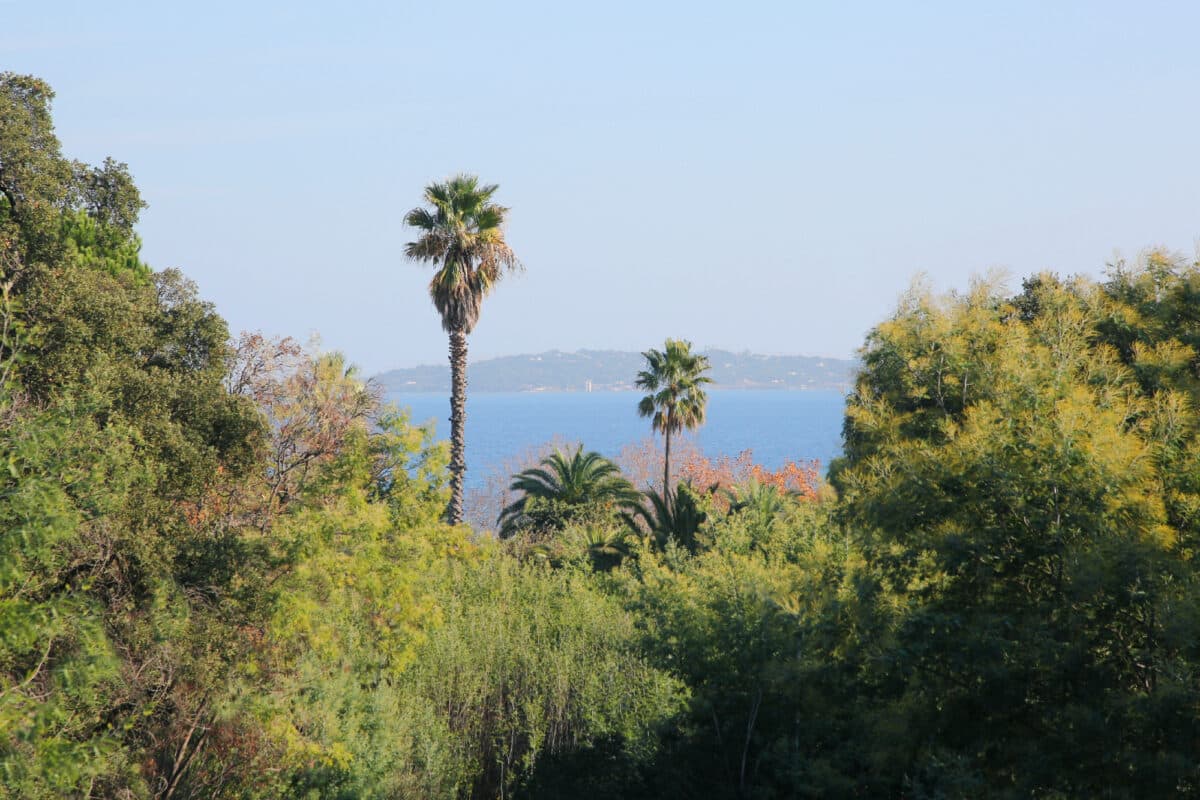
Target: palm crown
462,233
676,401
577,480
675,381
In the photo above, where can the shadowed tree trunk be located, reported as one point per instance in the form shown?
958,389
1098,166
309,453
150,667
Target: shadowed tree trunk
667,464
458,422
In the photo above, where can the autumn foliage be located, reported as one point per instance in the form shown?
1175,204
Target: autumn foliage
800,478
642,464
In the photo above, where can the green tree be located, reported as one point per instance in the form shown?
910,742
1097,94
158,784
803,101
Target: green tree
37,184
1006,472
764,637
676,401
125,598
462,235
35,179
532,663
563,487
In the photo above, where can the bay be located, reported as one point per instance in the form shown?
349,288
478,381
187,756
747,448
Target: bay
778,426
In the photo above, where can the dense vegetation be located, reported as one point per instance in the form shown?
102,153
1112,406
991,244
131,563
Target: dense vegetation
224,570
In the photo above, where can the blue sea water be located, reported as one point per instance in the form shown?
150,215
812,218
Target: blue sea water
777,425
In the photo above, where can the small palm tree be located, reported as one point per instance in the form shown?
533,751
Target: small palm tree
563,486
760,504
675,518
462,234
605,546
676,401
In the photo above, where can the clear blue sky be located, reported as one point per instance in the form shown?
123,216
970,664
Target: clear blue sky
751,175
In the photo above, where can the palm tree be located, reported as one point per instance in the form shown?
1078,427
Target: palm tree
564,485
462,235
677,401
676,517
605,546
760,504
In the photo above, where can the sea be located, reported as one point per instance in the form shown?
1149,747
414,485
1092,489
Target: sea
776,425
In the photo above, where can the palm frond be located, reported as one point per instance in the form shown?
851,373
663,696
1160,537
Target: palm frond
672,516
674,379
421,218
433,246
576,480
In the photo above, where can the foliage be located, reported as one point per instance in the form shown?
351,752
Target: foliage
759,636
566,488
1004,459
604,547
455,677
726,476
533,663
759,501
122,614
35,180
39,187
55,657
673,519
462,233
351,618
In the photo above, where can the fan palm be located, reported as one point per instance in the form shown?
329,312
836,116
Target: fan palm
461,233
676,401
563,485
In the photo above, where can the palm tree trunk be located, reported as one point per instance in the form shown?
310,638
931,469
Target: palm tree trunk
458,422
667,468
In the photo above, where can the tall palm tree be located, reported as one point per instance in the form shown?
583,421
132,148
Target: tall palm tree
461,233
571,482
675,380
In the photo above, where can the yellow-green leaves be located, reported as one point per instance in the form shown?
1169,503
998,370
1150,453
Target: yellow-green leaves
1023,473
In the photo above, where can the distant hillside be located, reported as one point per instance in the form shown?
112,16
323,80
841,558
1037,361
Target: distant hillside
612,370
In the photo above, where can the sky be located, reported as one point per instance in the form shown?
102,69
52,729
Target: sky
751,176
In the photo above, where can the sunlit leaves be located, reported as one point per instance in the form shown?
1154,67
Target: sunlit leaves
1034,523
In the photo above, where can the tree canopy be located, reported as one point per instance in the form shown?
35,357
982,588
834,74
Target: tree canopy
462,234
